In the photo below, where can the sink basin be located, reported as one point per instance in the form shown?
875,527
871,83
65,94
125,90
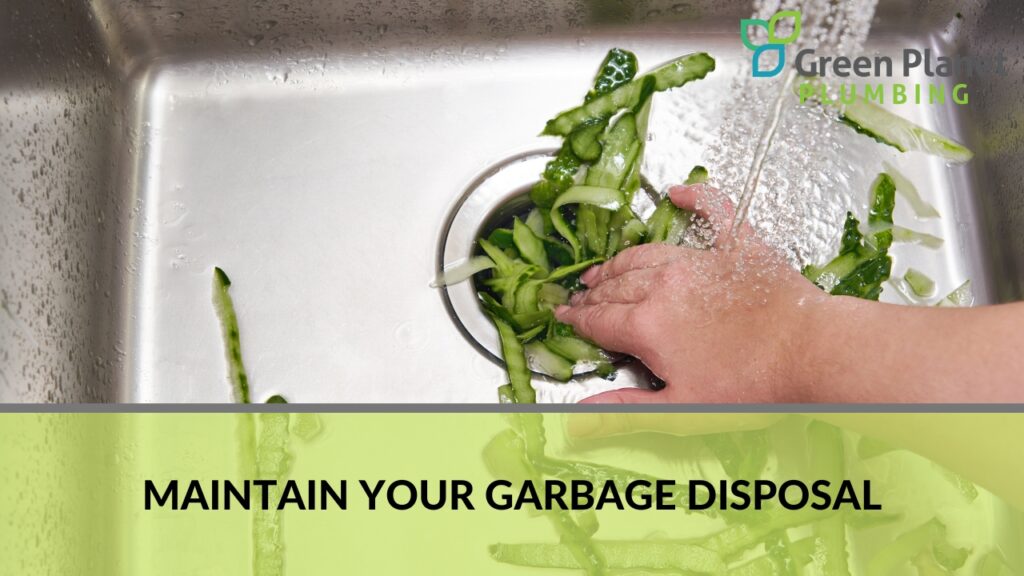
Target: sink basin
315,150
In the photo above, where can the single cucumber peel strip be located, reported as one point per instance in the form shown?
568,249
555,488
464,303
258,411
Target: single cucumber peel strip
515,363
671,75
225,309
962,297
268,456
919,282
463,271
512,455
906,188
668,223
885,127
607,198
542,359
908,236
876,122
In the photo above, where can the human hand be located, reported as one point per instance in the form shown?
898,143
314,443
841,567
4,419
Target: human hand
717,325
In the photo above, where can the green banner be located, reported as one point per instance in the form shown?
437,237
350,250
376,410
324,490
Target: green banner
300,494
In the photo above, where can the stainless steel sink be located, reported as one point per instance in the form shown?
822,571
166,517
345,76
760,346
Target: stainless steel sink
315,150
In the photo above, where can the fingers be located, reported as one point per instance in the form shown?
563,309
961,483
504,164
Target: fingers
635,258
628,288
707,202
604,324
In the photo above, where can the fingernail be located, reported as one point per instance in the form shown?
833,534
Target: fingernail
577,298
682,189
561,310
589,275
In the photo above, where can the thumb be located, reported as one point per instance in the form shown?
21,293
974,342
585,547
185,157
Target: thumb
601,424
626,396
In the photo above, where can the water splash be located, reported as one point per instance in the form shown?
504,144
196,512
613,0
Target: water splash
785,167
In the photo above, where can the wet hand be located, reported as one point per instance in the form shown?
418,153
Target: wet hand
722,324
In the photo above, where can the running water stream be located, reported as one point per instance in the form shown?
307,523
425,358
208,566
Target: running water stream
791,169
760,154
828,27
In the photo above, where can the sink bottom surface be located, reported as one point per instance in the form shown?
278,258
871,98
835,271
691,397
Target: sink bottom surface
321,188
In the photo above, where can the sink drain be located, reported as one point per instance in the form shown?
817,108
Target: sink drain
489,201
493,197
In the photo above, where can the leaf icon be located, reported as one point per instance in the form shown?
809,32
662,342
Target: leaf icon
745,25
755,60
773,26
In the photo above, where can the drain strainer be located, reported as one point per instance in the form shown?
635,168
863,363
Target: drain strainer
490,200
493,197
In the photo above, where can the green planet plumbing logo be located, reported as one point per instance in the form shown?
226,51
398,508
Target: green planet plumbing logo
910,76
775,44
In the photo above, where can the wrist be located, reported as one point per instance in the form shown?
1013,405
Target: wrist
818,359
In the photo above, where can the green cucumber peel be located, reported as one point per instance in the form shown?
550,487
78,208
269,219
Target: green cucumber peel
860,268
576,349
541,359
698,175
515,362
621,147
505,265
530,246
225,308
608,198
535,221
919,282
668,223
905,548
520,322
462,271
863,263
558,176
883,200
552,294
530,334
671,75
887,128
906,235
619,67
906,188
502,238
585,140
828,462
506,395
961,297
